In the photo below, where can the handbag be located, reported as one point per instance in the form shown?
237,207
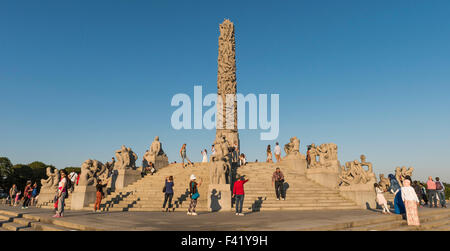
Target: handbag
164,189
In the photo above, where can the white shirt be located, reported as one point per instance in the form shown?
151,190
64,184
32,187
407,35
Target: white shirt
277,150
408,193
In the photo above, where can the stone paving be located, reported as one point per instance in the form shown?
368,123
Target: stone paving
263,221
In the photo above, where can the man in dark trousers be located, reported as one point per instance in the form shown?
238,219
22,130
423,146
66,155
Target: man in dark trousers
238,193
278,182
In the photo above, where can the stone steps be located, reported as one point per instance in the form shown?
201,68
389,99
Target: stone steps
13,221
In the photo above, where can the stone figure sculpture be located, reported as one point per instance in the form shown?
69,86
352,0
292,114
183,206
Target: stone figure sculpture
354,173
401,173
327,156
384,183
220,160
91,172
155,153
126,158
53,178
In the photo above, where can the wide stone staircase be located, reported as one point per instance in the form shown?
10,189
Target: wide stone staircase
146,193
301,193
14,221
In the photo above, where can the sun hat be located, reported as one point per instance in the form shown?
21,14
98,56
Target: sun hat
193,177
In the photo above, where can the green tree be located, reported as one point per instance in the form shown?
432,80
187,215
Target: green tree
73,169
20,175
6,169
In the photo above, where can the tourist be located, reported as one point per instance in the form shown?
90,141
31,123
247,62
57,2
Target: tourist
235,152
238,193
12,194
213,150
73,176
380,199
431,189
61,194
424,194
168,193
395,189
440,191
34,194
193,190
99,195
204,156
269,155
183,155
27,195
418,191
16,200
242,160
308,156
278,183
411,202
277,152
152,168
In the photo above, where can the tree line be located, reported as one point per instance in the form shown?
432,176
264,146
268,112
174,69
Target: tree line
19,174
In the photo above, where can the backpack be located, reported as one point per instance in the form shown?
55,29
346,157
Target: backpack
68,186
439,186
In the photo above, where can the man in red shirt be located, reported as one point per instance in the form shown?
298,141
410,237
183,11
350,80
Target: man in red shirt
238,193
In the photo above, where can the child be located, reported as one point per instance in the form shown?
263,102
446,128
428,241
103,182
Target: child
380,199
17,198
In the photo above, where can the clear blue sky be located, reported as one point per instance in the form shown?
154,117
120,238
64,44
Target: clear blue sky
80,78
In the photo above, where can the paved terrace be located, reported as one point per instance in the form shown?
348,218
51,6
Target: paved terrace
225,221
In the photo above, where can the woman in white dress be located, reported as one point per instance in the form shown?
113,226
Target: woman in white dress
205,156
411,202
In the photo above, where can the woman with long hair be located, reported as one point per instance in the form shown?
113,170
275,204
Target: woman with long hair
168,193
61,194
269,155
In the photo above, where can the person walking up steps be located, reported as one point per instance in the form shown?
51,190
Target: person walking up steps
168,193
278,183
440,192
380,199
193,190
238,193
183,155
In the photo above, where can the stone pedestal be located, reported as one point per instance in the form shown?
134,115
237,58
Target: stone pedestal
325,176
219,198
82,197
296,161
161,161
126,177
46,195
362,194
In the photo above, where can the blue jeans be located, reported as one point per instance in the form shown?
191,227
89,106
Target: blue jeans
239,203
441,195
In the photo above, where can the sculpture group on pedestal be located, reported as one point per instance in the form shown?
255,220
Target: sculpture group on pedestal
326,154
93,171
126,158
52,180
155,155
402,173
354,173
